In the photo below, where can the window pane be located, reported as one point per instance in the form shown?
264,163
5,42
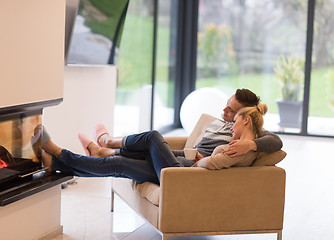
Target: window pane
321,114
240,43
134,62
165,65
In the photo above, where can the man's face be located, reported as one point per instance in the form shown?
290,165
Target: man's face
232,107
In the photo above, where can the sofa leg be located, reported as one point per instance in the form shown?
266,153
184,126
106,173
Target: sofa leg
112,201
279,235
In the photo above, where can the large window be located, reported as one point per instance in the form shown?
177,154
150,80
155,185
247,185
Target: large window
255,45
146,64
282,50
140,38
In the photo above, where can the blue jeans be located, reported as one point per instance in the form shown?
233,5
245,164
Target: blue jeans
141,159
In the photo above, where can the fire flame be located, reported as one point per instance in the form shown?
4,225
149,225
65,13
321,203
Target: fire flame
3,164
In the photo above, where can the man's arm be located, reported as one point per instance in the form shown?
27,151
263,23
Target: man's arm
266,142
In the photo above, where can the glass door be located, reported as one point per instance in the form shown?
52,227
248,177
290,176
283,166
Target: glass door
134,63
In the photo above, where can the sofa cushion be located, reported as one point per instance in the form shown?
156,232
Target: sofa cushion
269,159
196,135
148,190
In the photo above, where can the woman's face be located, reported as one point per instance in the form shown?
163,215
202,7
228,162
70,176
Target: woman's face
238,126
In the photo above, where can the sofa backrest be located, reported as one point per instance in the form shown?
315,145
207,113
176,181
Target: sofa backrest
196,135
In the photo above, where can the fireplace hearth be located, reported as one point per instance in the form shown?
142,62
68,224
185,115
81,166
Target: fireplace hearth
19,188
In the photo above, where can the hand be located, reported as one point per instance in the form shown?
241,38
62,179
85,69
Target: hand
240,147
198,157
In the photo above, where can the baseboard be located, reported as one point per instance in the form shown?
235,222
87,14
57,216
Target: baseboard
51,234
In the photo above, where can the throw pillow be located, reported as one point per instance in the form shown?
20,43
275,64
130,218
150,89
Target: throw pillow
269,159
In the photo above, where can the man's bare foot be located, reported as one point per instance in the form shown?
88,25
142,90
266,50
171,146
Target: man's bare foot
47,161
103,139
97,151
43,140
108,141
51,148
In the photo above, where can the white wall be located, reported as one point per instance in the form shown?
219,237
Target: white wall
32,217
89,98
32,51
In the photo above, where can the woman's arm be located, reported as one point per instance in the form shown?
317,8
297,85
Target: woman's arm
221,160
215,162
219,149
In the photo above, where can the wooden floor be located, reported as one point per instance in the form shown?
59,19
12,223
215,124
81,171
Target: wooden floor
309,208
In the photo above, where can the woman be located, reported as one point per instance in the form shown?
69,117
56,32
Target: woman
142,156
248,123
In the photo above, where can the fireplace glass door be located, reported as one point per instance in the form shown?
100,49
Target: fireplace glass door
20,146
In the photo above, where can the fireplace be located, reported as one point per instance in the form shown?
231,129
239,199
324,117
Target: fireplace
21,169
20,155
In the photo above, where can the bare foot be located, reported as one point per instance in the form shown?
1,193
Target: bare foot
96,151
47,161
51,148
107,141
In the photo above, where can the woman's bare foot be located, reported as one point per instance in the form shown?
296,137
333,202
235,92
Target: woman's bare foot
47,161
97,151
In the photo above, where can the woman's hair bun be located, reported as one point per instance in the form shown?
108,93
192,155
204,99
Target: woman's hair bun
262,108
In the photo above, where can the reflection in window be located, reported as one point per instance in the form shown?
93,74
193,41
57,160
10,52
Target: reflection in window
98,24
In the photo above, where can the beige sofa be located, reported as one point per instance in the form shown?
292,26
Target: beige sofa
197,201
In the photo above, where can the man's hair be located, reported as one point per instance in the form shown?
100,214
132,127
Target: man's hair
247,98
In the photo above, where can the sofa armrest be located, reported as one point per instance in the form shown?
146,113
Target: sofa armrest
176,143
244,198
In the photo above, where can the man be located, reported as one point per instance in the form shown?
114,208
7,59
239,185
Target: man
219,131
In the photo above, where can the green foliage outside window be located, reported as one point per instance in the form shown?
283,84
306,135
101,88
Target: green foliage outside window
215,49
290,72
329,76
102,16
